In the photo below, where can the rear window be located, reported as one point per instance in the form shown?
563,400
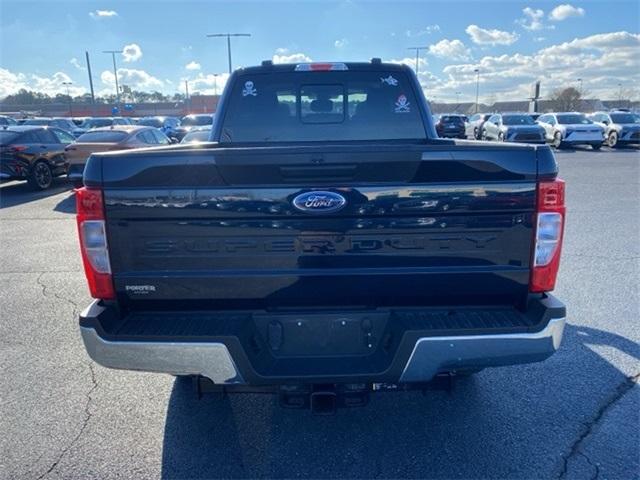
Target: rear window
97,122
451,119
196,120
197,136
322,106
107,136
37,121
151,122
7,137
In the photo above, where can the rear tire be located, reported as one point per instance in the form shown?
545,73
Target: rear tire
41,176
475,134
612,139
596,146
501,137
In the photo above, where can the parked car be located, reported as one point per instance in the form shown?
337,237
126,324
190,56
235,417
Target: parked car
620,128
189,122
99,122
63,123
321,254
473,128
450,126
167,125
512,127
33,153
79,120
197,135
571,128
4,121
116,137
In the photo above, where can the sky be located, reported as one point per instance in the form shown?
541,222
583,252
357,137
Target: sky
512,43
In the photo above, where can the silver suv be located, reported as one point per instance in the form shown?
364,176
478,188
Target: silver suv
620,128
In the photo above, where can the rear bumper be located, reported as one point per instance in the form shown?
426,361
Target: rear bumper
417,356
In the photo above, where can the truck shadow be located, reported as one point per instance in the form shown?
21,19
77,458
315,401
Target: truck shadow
487,427
18,193
67,204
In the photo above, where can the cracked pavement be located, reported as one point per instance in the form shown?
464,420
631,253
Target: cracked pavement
573,416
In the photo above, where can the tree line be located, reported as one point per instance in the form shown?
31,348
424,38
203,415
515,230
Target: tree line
29,97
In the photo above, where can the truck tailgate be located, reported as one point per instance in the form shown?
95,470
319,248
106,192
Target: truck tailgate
423,224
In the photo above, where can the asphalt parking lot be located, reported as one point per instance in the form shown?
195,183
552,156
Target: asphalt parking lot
574,416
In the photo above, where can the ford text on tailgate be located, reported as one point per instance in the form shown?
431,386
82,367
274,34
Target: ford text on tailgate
324,244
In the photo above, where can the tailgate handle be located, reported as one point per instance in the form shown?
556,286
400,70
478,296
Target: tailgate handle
323,171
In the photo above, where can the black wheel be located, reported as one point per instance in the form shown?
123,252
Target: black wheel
501,137
596,146
41,176
612,139
475,133
557,140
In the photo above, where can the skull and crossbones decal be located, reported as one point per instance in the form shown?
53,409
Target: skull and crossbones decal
249,89
402,104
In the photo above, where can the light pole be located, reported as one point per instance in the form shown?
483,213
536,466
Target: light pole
477,72
115,72
186,97
68,84
620,95
417,49
93,97
229,35
580,87
215,84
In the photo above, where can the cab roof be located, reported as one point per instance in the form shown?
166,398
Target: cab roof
374,65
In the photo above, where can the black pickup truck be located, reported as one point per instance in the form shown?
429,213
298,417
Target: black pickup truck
325,243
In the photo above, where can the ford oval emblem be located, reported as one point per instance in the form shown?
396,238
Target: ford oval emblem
319,202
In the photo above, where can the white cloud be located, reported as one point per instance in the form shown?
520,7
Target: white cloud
282,51
12,82
451,49
292,58
74,61
600,60
483,36
564,11
206,84
428,30
132,52
343,42
532,20
103,14
193,66
136,79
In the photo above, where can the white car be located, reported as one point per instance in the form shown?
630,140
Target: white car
571,128
621,128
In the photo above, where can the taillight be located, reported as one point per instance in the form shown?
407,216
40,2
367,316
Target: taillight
17,148
93,242
548,236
